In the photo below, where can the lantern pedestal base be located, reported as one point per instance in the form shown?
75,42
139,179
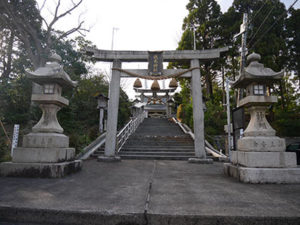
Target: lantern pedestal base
264,159
261,144
263,175
45,140
40,170
43,155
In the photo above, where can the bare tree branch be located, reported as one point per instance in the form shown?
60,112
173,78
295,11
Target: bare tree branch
43,5
57,17
75,5
56,9
46,23
27,32
71,31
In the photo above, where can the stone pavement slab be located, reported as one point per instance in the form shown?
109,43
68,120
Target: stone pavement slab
108,187
204,190
116,193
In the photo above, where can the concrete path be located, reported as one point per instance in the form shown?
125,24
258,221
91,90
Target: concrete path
116,193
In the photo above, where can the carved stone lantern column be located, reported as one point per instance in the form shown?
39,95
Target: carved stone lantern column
45,151
260,155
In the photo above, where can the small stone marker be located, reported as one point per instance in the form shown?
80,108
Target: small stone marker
15,139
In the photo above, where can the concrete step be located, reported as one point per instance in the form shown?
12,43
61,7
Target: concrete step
191,153
158,145
157,157
161,139
99,151
146,154
160,127
161,149
156,139
149,149
147,141
150,141
161,132
158,123
154,156
149,152
154,125
183,135
96,154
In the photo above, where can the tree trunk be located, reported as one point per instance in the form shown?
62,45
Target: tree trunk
223,85
7,65
282,95
208,81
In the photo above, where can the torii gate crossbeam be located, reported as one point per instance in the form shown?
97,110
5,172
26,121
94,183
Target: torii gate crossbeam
142,56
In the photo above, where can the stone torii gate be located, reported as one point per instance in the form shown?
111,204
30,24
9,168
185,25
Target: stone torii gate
196,57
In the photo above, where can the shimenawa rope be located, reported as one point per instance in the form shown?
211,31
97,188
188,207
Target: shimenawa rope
149,77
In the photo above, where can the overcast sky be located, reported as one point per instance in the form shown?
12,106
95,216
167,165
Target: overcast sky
142,24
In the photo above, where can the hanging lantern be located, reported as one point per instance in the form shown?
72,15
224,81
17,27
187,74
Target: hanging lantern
155,86
173,83
137,83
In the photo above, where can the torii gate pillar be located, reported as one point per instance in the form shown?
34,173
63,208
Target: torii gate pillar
198,116
112,116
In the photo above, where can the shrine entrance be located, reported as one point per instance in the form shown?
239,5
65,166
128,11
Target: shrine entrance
155,72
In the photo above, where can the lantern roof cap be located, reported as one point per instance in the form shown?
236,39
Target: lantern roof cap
99,95
136,100
256,72
52,72
139,105
55,57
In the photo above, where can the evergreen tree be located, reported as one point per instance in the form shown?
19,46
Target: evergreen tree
204,16
293,41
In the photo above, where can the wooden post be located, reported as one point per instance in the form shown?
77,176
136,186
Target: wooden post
101,116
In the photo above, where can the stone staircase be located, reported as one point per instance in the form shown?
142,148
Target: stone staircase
156,138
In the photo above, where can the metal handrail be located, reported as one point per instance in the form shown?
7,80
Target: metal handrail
92,147
129,129
209,148
122,137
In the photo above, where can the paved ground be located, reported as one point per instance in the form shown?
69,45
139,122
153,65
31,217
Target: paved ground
181,193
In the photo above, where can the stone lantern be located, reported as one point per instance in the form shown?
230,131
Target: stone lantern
102,105
45,151
260,155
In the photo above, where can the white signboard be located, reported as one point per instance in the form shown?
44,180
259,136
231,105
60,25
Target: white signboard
14,143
